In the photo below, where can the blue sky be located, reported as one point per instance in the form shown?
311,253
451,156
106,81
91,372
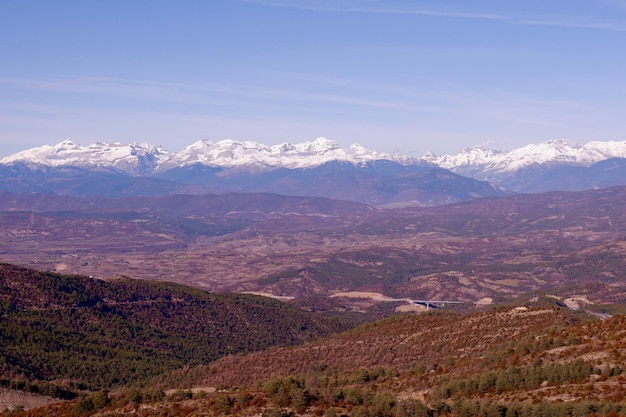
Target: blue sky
395,75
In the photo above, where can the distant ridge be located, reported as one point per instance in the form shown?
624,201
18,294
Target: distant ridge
311,169
319,168
146,159
554,151
530,168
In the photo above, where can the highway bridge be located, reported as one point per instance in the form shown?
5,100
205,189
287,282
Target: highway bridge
436,303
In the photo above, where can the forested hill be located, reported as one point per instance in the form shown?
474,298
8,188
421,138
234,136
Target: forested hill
95,334
524,360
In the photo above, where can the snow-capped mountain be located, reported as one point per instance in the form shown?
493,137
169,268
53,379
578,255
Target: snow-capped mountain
134,159
145,159
230,153
522,169
320,168
554,151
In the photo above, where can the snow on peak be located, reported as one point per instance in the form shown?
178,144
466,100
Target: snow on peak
319,145
143,158
230,153
131,158
469,156
550,152
223,153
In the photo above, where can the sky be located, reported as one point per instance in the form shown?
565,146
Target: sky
394,75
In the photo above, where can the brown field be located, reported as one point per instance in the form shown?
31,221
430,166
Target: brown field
572,243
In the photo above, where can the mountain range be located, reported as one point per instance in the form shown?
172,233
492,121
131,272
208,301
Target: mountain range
145,159
550,166
311,169
320,168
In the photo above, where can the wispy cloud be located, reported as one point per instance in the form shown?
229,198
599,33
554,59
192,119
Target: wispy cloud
366,7
574,23
197,94
71,82
447,10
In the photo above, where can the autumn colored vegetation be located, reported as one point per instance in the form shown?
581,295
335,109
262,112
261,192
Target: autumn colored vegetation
63,335
535,360
128,347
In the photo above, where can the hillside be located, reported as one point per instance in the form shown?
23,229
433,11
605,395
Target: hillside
522,360
65,334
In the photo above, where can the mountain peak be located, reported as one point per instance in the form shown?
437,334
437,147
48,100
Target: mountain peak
134,158
144,159
231,153
68,143
323,144
527,169
553,151
469,156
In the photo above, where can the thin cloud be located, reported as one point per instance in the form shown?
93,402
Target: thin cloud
362,8
600,25
68,82
299,95
448,11
196,94
426,96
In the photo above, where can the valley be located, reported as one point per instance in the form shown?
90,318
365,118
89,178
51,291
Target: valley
499,248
